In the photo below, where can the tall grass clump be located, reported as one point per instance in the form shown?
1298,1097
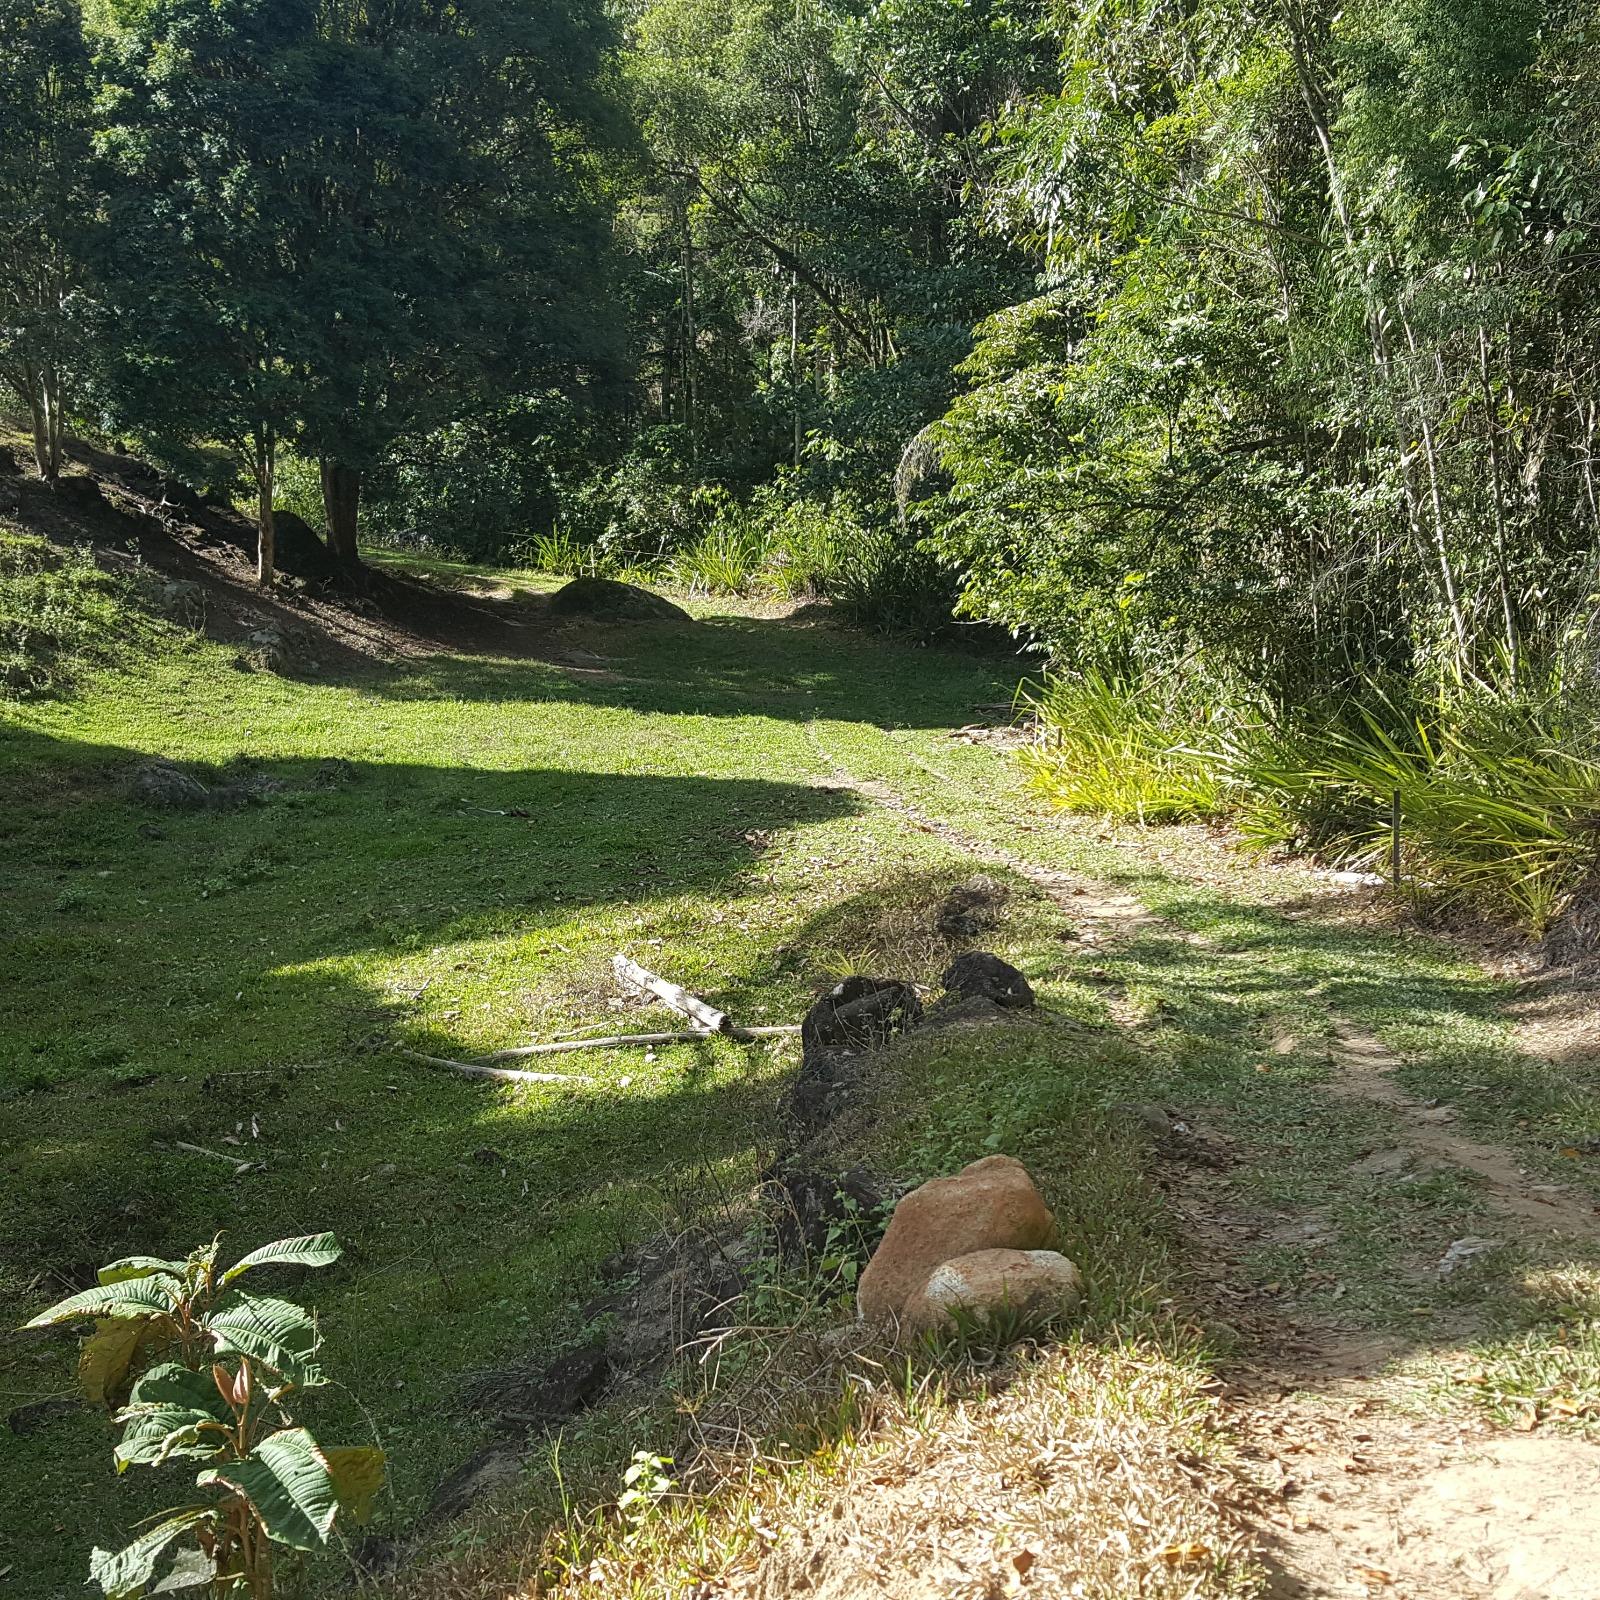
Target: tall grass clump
1497,795
1121,749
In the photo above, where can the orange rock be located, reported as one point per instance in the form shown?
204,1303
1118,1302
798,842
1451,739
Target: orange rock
1033,1282
990,1205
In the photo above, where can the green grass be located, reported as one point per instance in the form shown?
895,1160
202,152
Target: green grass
243,975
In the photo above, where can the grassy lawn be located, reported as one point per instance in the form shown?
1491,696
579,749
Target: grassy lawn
458,846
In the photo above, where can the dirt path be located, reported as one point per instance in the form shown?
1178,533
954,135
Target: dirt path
1353,1491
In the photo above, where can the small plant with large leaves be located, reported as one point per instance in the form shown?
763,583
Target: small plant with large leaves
195,1369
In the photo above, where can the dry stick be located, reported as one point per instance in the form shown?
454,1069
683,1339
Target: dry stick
239,1166
692,1006
613,1040
472,1069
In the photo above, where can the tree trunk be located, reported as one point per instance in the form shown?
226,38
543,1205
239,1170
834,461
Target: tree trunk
266,530
341,500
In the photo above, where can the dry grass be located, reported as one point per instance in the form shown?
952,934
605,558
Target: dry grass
1078,1471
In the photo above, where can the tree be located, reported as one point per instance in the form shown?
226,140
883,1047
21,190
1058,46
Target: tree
207,323
45,202
450,239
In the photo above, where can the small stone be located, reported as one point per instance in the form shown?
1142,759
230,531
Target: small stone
989,1205
1034,1283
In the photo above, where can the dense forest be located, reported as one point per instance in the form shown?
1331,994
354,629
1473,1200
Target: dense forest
1238,360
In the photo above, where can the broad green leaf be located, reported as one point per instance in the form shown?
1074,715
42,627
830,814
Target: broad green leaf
171,1412
192,1569
125,1574
309,1250
154,1434
277,1334
130,1267
138,1297
287,1481
357,1471
109,1353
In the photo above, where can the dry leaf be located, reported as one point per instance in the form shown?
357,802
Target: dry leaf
1193,1554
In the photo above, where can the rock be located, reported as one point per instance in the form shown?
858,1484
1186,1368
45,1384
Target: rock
160,783
78,489
821,1089
809,1207
979,975
859,1014
606,600
987,1283
989,1205
971,908
951,1011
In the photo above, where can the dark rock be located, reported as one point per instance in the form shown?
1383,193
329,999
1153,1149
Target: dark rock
809,1208
148,830
979,975
160,783
301,551
860,1014
685,1286
971,908
78,489
524,1399
477,1477
606,600
822,1088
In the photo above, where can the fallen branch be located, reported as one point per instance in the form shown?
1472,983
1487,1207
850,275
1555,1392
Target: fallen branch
612,1041
692,1006
239,1167
476,1069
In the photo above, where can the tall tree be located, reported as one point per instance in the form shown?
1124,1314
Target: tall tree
45,203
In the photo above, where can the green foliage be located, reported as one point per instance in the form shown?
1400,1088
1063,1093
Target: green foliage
59,614
1113,749
1498,799
222,1401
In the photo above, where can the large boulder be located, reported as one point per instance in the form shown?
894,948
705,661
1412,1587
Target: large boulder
977,975
991,1283
606,600
989,1205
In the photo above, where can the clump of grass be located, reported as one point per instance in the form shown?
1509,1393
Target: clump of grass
724,560
59,614
1498,798
1122,750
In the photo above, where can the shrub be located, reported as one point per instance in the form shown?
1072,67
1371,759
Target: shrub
209,1372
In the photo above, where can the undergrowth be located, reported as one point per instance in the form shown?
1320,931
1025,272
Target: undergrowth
1495,798
59,614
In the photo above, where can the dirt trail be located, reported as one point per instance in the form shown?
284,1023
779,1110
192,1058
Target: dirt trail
1354,1494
